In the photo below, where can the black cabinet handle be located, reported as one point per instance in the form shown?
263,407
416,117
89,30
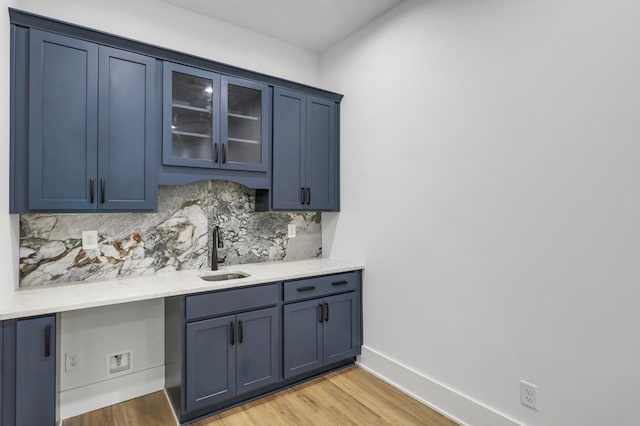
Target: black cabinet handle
321,319
92,184
215,153
326,312
337,283
302,198
233,333
307,288
224,153
308,196
47,340
240,332
102,188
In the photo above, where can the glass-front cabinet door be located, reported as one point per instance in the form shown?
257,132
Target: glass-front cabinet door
245,125
191,117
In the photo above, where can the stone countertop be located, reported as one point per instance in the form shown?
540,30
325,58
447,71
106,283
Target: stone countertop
90,294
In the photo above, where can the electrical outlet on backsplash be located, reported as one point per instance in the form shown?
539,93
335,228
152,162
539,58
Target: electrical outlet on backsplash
176,237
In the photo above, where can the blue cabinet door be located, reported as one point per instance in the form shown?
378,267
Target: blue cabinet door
289,112
190,117
245,124
321,155
303,338
258,359
35,372
127,131
63,90
210,362
341,327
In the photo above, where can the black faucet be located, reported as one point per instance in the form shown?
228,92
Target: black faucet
217,243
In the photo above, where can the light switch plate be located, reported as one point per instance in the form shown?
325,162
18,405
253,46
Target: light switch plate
292,231
89,240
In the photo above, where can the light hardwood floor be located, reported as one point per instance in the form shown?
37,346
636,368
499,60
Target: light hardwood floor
347,397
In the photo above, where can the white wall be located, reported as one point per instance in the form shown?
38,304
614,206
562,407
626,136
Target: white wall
491,183
171,27
99,332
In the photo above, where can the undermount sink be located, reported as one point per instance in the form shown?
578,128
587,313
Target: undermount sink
225,277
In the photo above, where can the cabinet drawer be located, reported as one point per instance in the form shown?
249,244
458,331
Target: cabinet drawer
309,288
228,301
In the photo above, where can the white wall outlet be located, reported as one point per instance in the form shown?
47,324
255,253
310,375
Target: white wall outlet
72,361
89,240
528,395
119,363
292,231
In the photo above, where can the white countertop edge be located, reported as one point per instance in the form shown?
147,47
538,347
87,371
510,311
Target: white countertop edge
91,294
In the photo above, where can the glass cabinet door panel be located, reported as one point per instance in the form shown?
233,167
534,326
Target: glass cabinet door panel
192,110
191,117
245,126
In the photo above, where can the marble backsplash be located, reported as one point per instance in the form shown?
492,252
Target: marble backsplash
176,237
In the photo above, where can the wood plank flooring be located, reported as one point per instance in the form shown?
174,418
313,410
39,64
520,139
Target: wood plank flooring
347,397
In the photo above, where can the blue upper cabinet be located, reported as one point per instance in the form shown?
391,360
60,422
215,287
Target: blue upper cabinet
245,125
63,122
91,126
214,122
305,152
191,117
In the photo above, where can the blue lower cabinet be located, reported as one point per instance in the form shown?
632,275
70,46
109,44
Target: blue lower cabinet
258,360
231,355
323,331
223,348
211,362
29,371
303,339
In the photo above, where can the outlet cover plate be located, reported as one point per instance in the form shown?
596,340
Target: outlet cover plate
528,394
291,231
72,361
89,240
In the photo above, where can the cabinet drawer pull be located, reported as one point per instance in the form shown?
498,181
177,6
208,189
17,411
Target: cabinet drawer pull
215,153
307,288
102,189
224,153
47,341
338,283
321,319
91,189
240,332
233,333
308,196
302,196
326,312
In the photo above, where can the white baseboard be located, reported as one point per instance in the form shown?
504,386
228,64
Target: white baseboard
74,402
437,396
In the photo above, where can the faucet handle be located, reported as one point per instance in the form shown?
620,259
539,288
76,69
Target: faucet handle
224,259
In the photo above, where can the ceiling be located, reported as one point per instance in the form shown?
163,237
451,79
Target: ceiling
315,25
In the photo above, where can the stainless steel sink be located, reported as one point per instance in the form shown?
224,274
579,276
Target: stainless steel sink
225,277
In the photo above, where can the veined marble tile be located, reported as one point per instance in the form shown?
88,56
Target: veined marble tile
177,237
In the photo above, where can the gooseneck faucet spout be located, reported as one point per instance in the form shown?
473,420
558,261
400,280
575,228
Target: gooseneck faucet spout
216,244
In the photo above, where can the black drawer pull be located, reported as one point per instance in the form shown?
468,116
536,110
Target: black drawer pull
215,153
337,283
224,153
102,189
91,189
302,198
233,333
47,341
307,288
326,312
308,196
240,332
321,306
